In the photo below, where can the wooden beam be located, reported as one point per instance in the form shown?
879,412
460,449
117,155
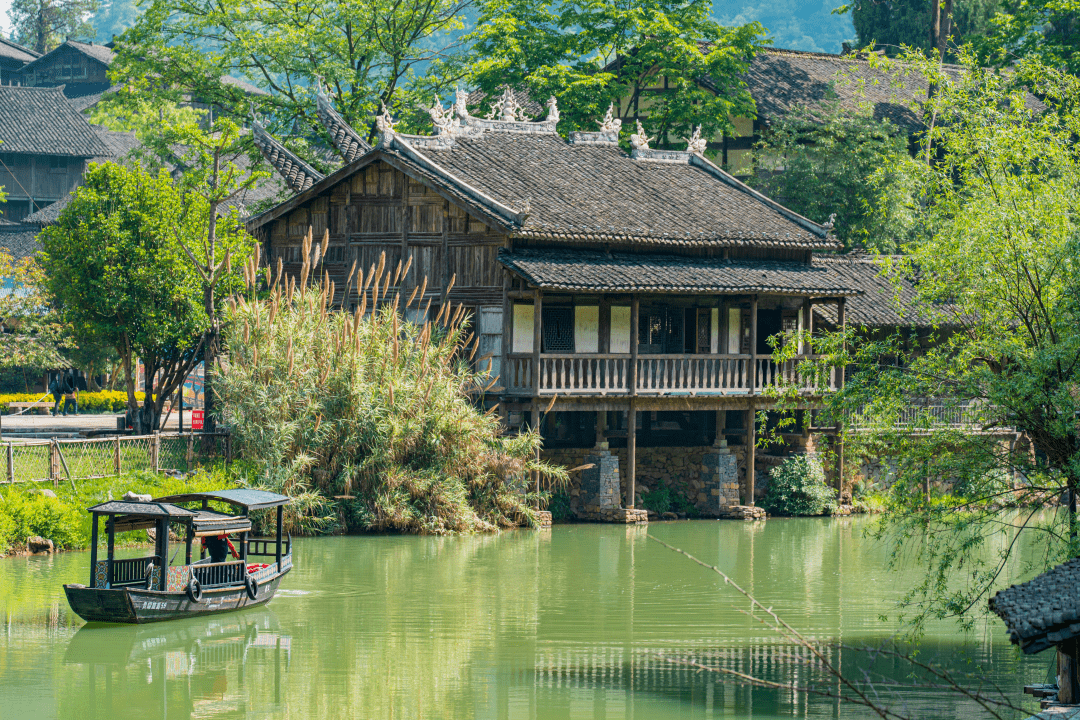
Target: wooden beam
841,318
94,518
507,336
632,375
752,370
1068,685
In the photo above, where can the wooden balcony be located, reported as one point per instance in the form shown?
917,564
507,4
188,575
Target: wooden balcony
602,375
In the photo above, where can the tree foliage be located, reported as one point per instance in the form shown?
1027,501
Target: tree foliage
1045,29
996,271
117,271
832,163
44,24
591,54
797,487
907,23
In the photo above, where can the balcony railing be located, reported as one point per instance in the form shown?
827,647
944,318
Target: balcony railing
609,374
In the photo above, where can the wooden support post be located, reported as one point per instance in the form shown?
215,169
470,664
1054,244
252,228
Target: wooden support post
155,451
163,580
188,541
111,528
10,463
721,421
601,428
444,251
1068,685
632,376
841,319
507,337
534,422
116,454
54,463
631,454
807,327
752,373
94,517
603,342
751,452
537,337
280,523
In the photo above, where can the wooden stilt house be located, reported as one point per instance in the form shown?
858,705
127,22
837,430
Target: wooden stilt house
612,287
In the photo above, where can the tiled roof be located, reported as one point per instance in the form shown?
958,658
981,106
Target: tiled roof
588,271
120,144
98,52
886,299
244,86
348,142
20,239
40,121
50,213
1042,612
298,174
598,193
479,99
15,51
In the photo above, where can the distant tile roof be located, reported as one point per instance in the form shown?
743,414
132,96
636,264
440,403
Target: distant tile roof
886,300
1042,612
40,121
15,51
120,144
20,239
297,174
347,141
244,86
589,271
50,213
100,53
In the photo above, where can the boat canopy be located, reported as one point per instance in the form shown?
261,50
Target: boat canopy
132,515
241,497
211,522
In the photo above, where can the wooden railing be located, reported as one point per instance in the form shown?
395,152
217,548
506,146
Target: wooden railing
130,571
267,547
609,374
217,574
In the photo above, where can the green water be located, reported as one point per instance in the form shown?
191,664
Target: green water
565,623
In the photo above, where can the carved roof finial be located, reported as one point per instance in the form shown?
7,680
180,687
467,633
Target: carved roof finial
446,124
553,109
639,140
507,108
828,224
461,104
384,124
697,144
610,123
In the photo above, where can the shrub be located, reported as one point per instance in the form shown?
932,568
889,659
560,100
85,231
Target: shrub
663,500
33,514
105,401
797,487
372,410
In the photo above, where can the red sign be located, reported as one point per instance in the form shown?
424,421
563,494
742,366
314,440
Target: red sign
196,419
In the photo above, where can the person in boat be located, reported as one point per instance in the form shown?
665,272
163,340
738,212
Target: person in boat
219,547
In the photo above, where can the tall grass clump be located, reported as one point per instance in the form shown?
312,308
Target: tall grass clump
367,413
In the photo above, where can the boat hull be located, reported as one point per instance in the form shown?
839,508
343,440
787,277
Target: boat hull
136,605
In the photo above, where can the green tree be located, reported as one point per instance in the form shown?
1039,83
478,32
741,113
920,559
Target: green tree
112,18
897,23
44,24
369,53
1046,29
591,54
116,270
846,166
997,270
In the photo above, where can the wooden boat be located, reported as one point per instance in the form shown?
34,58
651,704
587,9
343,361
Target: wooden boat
149,589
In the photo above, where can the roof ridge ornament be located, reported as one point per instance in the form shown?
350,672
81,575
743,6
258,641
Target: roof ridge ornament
696,144
461,104
384,124
553,110
639,140
444,119
610,123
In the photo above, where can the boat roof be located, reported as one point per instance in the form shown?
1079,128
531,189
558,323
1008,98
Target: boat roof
240,497
154,508
212,522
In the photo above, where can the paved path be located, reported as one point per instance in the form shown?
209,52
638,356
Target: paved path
60,426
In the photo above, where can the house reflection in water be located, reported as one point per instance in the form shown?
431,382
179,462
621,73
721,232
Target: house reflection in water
201,668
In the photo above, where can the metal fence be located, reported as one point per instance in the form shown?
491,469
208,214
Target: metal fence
62,459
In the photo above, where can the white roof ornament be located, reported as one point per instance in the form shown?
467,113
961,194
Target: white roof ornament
830,223
461,104
553,110
446,124
384,124
696,144
610,123
639,140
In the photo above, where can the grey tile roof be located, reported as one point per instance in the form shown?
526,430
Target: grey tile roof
589,271
886,299
50,213
15,51
100,53
297,174
1044,611
596,193
20,239
40,121
244,86
120,144
348,142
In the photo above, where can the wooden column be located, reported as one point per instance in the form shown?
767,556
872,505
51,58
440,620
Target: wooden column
752,373
751,451
632,375
807,326
404,232
163,579
188,541
721,421
841,321
631,453
111,528
279,527
603,343
538,299
444,250
601,427
1068,685
504,347
94,517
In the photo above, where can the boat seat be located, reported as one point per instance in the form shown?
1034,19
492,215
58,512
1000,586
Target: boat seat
255,567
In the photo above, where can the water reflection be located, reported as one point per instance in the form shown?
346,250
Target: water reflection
196,668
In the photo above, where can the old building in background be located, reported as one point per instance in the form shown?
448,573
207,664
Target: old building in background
13,57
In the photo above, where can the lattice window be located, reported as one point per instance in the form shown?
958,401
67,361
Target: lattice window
704,326
557,325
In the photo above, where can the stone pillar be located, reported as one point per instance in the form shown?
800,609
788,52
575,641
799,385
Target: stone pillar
721,475
601,489
751,442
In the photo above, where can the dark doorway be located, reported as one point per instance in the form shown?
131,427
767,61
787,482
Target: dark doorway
769,324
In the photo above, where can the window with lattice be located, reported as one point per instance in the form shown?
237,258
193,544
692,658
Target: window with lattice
557,326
